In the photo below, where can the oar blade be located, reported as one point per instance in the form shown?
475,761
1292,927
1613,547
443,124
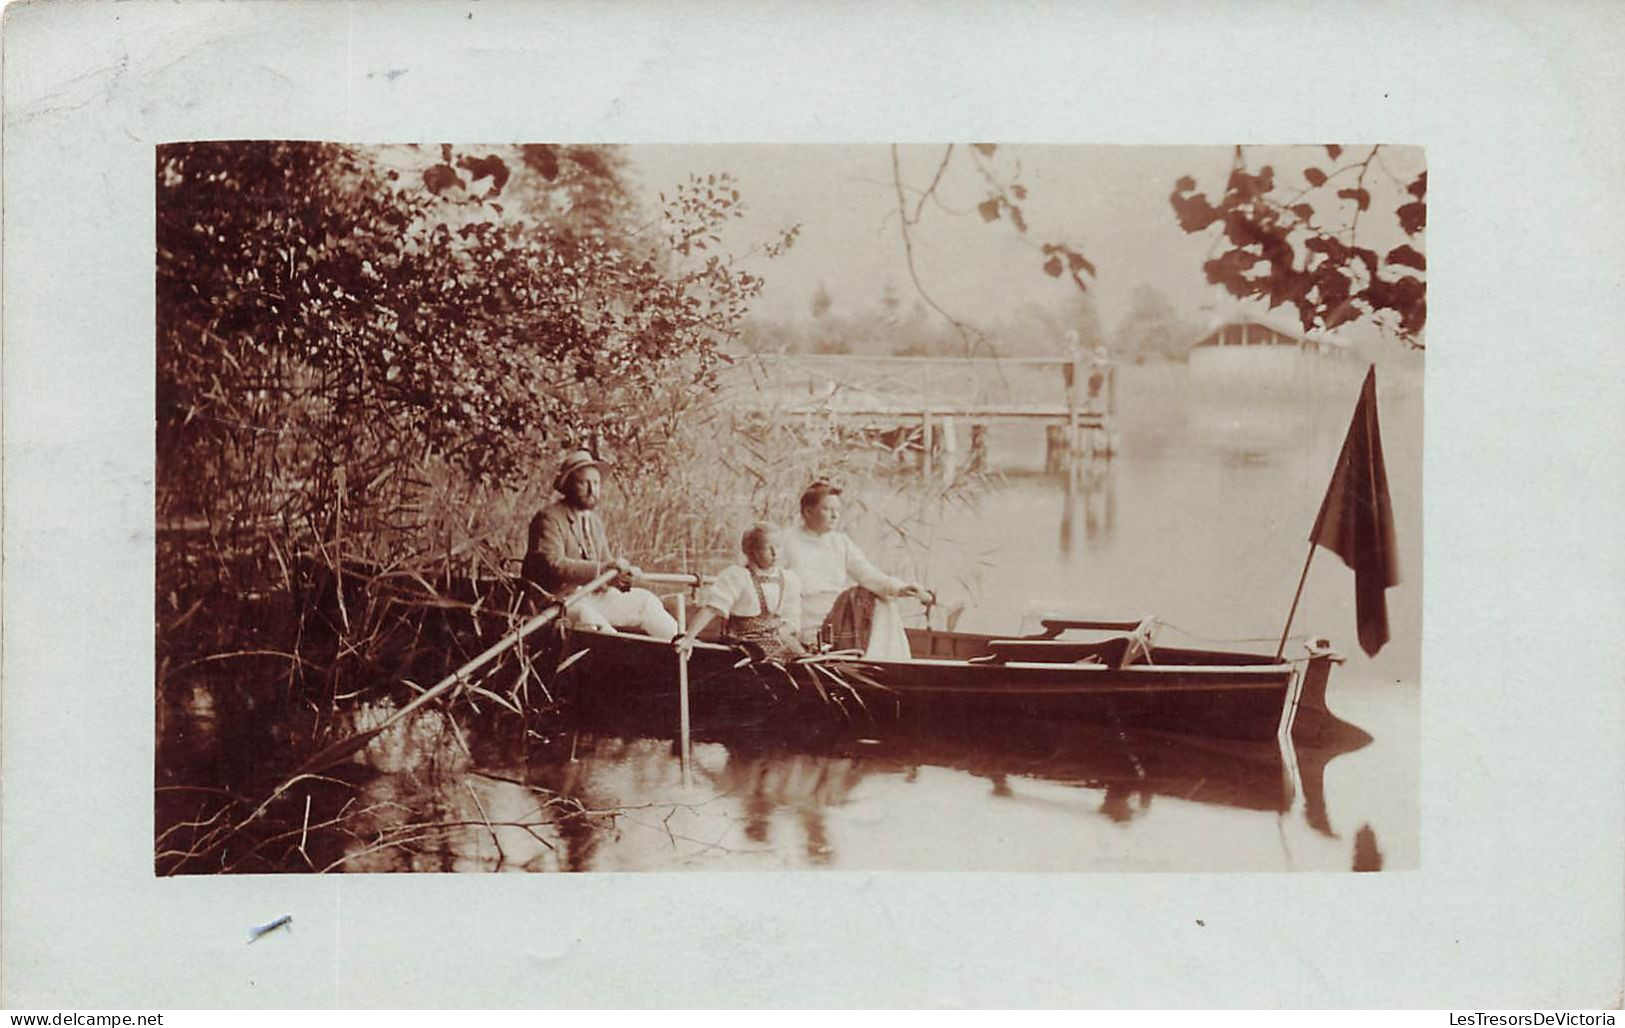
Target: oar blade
338,752
347,748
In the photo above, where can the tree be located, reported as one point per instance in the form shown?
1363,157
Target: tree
335,320
890,304
1152,327
831,343
1282,244
1300,245
1003,200
1082,320
821,302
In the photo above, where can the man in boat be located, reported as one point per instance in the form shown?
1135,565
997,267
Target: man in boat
568,547
858,616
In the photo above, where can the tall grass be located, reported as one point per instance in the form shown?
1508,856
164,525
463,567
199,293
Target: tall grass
278,634
734,467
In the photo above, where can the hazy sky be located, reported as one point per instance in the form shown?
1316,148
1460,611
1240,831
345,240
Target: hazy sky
1109,202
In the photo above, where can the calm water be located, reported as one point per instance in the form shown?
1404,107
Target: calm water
1200,524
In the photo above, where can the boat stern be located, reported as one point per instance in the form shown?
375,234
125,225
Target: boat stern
1308,718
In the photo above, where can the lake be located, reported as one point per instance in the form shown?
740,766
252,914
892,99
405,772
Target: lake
1200,518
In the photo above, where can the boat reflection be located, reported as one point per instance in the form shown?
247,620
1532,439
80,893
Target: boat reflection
580,800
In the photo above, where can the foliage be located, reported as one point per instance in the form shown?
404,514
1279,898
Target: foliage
1003,199
734,465
1152,327
890,304
1082,322
332,320
1300,245
821,302
1031,330
360,352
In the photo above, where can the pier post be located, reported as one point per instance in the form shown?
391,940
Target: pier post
1054,447
1109,419
926,439
1074,382
927,432
950,447
978,447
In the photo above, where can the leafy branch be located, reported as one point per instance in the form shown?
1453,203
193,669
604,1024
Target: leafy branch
1277,248
1003,201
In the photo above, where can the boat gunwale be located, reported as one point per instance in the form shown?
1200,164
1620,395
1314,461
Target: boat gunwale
1284,667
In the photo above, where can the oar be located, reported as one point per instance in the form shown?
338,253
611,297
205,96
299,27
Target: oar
672,578
686,755
345,748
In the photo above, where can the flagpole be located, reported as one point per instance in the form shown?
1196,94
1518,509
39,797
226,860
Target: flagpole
685,752
1355,521
1295,598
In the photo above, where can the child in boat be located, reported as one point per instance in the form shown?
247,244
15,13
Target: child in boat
759,600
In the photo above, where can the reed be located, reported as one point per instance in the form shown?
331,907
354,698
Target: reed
312,603
731,469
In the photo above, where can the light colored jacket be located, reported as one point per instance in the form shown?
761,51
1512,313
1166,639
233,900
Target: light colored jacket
826,565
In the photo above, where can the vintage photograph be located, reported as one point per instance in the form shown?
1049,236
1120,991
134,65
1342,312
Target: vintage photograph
551,507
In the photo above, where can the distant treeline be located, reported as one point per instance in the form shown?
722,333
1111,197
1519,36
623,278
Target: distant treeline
1152,329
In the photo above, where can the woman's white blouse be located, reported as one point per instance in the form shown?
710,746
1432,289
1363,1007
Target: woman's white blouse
733,594
827,564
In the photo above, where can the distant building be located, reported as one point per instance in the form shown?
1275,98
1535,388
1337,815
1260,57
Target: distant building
1256,383
1246,330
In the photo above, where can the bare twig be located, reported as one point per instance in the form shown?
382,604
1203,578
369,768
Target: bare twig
930,190
969,335
304,828
502,857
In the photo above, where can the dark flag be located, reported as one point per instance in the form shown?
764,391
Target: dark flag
1356,519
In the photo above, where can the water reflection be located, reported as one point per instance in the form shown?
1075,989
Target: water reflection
580,802
791,787
1367,857
1088,490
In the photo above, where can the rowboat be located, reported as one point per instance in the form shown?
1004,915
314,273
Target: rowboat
1086,672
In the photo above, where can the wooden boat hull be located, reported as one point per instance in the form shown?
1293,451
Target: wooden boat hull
627,677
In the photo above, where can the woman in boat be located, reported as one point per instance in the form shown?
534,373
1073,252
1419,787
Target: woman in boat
759,600
841,591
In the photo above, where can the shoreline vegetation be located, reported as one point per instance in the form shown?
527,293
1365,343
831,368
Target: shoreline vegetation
263,660
369,359
368,362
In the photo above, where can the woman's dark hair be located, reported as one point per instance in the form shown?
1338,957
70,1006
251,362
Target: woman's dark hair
815,493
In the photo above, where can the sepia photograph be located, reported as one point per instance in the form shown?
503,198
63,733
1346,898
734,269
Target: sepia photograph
725,506
548,507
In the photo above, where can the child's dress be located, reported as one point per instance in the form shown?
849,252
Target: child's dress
760,607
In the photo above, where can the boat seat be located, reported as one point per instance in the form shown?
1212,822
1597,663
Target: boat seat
1054,626
1115,652
1056,651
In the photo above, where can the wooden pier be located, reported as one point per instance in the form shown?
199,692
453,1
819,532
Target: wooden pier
920,402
